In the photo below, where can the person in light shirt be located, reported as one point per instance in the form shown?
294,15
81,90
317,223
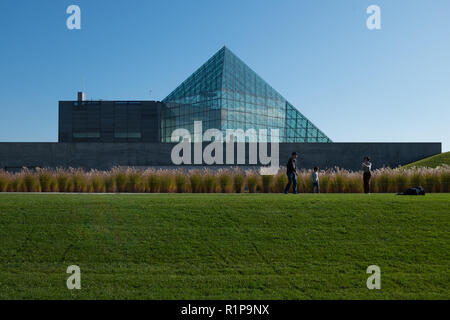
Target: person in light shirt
315,180
367,168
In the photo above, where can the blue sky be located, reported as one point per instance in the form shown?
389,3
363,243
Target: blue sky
355,84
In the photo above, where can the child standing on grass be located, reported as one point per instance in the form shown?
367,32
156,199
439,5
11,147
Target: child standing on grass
315,180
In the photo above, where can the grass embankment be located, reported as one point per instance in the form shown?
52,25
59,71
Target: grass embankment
260,246
431,162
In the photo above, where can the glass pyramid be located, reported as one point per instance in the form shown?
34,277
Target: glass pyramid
224,93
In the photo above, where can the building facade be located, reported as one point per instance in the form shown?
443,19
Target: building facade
109,121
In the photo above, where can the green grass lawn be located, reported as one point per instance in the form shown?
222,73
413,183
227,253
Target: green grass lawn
431,162
261,246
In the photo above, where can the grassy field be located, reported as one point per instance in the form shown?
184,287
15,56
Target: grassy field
431,162
217,246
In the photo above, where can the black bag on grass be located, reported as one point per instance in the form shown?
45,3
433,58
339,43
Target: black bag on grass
417,191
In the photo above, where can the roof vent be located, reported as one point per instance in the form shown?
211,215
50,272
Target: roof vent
81,96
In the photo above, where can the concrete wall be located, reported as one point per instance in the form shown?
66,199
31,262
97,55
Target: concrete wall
107,155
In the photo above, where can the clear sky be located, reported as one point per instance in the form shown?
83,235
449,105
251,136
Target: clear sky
355,84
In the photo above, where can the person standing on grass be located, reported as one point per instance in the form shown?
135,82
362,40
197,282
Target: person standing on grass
291,171
367,168
315,180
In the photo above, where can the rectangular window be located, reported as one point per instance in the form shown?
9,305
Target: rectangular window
122,135
82,135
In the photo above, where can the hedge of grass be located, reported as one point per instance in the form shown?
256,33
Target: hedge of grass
130,180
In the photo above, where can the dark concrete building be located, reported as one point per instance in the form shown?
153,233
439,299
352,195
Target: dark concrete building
109,121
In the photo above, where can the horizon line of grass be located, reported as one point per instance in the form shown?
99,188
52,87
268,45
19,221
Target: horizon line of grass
435,161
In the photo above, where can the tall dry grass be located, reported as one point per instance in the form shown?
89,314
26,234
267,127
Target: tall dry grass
238,182
252,182
224,180
210,183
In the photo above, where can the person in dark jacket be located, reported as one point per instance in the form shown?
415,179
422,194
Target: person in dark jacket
292,173
367,168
